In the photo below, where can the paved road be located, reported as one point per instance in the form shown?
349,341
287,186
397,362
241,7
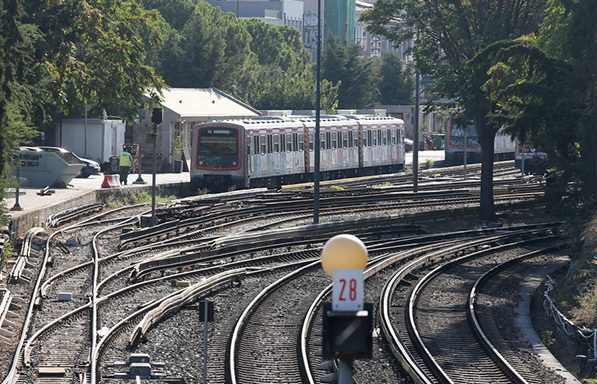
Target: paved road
435,156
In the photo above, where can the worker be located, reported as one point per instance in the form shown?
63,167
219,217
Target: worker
126,160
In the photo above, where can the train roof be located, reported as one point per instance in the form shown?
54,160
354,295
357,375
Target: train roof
291,121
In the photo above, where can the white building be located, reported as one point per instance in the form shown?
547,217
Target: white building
182,108
92,138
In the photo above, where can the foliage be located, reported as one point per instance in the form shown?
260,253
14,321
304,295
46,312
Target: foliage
548,339
357,76
397,83
93,52
279,46
551,100
15,56
273,88
115,201
448,35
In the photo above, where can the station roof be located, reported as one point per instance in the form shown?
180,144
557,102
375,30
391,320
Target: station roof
205,104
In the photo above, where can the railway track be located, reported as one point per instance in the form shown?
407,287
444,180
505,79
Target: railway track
430,307
113,289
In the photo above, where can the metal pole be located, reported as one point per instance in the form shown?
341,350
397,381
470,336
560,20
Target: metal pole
416,138
17,207
140,159
205,342
317,116
155,144
85,146
465,145
522,160
345,371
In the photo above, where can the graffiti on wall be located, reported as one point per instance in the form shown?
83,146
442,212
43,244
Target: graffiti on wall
310,30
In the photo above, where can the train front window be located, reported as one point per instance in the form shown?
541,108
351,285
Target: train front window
217,148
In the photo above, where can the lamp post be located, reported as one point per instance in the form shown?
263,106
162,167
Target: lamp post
17,206
156,118
153,176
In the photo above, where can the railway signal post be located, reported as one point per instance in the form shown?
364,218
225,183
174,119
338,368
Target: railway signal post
347,321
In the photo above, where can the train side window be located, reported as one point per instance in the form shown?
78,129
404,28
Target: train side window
384,139
379,137
276,143
374,137
365,138
334,137
322,141
256,144
345,141
340,142
393,131
301,143
355,139
295,142
282,142
289,142
263,142
328,140
311,141
270,144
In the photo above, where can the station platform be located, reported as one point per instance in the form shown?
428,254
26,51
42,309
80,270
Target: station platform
36,208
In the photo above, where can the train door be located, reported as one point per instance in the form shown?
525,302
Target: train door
310,148
275,158
260,157
335,152
400,143
375,145
300,149
366,146
287,151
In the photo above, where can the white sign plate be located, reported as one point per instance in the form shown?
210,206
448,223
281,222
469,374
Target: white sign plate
347,290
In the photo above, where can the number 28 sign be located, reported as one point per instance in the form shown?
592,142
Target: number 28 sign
347,290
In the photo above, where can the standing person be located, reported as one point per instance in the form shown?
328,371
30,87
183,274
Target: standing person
126,160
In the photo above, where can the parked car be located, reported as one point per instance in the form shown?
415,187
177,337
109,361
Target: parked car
91,167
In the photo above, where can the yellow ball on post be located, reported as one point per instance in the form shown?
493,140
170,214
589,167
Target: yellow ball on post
343,252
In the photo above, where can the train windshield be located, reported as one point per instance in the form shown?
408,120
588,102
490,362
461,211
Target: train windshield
217,147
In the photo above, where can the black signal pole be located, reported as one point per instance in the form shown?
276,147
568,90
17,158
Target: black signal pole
317,117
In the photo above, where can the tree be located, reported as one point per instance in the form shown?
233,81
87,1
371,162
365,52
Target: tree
544,90
273,88
15,57
358,76
396,85
94,52
449,34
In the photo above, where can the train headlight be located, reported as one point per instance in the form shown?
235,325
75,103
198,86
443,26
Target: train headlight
234,163
200,162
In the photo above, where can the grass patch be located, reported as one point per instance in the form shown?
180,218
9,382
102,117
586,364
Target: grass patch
135,198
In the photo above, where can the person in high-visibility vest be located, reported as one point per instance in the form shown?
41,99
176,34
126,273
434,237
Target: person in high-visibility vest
126,160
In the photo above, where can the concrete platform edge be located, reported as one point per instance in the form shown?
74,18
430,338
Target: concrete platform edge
21,222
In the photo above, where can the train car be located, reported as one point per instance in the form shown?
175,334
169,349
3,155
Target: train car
269,152
504,146
535,160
